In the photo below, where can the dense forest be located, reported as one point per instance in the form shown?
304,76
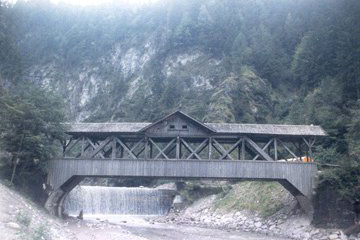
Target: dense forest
248,61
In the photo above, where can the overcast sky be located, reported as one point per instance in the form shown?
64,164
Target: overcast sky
97,2
93,2
83,2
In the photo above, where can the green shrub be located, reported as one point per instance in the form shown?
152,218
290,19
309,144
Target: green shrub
265,198
195,190
345,180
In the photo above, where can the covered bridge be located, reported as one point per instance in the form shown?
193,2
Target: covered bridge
181,147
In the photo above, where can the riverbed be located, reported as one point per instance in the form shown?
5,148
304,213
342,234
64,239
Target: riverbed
108,227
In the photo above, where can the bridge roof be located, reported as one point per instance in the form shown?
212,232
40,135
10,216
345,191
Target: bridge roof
120,127
268,129
216,128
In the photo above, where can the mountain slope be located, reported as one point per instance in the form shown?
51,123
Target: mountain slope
126,63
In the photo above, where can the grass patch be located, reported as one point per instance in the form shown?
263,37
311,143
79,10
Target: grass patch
266,198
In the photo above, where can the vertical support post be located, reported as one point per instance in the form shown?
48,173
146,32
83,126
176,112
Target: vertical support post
178,147
275,149
64,144
210,148
121,152
146,148
309,143
243,149
307,155
300,151
113,148
151,150
82,146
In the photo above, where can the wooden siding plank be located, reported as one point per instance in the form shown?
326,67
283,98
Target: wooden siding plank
300,175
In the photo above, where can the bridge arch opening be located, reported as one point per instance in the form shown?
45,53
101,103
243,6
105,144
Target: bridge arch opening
58,202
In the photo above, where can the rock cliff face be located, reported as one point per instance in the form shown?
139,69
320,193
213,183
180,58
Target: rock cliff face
121,85
117,63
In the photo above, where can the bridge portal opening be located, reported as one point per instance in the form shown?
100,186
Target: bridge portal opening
107,198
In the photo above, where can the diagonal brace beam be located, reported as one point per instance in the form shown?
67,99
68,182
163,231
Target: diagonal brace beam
228,152
198,149
190,149
123,145
94,146
264,148
258,149
287,149
162,151
100,147
71,145
137,144
223,150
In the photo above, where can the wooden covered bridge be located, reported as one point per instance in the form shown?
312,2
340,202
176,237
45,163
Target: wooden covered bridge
180,147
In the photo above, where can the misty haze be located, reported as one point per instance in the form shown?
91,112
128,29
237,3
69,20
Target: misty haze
180,119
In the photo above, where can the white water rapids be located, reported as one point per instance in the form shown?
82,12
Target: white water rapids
107,213
95,200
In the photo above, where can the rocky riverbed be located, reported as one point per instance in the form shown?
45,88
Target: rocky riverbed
21,219
289,222
145,228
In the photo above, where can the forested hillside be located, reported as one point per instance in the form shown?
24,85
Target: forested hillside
249,61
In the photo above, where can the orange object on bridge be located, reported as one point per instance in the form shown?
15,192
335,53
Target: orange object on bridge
307,159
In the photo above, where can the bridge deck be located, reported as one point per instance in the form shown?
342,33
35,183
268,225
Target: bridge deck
300,175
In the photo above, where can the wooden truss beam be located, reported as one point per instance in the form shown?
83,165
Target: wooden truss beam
192,152
232,148
287,149
100,147
198,150
162,151
179,148
258,149
127,149
94,146
222,150
264,148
